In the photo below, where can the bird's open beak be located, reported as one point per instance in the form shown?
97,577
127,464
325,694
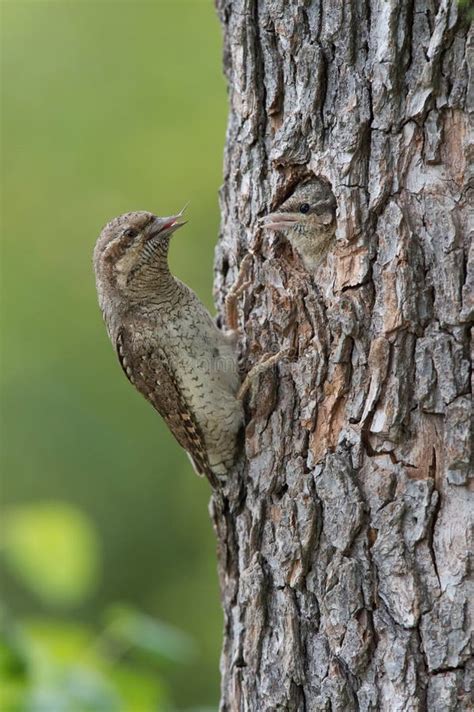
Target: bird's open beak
280,221
166,226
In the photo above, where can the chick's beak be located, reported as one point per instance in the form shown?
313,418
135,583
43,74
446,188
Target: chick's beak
280,221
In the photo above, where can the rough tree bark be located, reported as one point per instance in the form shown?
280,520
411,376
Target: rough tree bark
343,533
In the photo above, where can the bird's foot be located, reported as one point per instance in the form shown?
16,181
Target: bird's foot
266,362
239,286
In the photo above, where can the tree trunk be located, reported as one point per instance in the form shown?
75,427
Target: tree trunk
343,533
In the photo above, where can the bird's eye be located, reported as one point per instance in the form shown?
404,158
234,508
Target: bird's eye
304,208
130,232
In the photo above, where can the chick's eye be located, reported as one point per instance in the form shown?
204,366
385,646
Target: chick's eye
304,208
130,232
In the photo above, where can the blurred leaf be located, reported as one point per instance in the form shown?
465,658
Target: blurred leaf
52,548
139,690
13,660
14,667
89,680
144,634
73,689
58,666
60,640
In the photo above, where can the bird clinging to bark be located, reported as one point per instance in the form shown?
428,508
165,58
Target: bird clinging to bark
166,341
308,220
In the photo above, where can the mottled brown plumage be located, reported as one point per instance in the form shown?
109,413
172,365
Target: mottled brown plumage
308,220
166,342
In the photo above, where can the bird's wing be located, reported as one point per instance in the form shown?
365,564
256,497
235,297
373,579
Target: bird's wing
153,376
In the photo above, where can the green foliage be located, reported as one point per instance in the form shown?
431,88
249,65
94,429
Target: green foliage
60,666
105,107
467,8
51,664
154,639
53,549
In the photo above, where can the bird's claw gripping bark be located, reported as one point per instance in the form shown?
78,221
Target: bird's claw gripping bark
239,286
266,362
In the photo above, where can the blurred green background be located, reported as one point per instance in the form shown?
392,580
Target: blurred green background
108,573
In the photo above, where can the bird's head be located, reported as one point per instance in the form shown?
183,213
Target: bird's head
129,247
307,218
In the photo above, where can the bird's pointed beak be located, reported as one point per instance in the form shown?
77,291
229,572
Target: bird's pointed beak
279,221
166,226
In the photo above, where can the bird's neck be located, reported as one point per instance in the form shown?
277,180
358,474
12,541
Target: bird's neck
153,282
